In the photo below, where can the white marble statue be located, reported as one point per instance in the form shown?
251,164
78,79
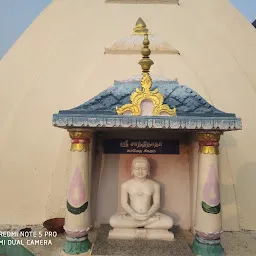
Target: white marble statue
140,198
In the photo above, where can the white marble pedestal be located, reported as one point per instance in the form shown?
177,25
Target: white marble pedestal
141,233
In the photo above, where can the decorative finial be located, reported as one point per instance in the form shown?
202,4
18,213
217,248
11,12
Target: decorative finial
141,28
145,62
145,92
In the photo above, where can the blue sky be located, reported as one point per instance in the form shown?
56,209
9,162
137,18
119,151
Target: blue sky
17,15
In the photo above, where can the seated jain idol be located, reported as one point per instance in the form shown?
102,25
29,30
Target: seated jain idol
140,198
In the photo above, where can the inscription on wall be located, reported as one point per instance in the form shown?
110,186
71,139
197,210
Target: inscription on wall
123,146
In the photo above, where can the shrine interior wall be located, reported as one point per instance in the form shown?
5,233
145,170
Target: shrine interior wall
170,171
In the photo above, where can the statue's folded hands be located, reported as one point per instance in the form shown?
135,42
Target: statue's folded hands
138,216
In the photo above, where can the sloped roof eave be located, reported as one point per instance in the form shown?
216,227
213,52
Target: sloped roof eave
152,122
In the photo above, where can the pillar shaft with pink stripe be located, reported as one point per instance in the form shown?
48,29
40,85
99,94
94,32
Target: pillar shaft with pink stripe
77,219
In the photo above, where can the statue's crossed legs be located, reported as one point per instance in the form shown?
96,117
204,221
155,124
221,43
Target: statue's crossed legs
126,227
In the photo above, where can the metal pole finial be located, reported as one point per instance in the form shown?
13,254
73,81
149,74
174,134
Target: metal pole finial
146,62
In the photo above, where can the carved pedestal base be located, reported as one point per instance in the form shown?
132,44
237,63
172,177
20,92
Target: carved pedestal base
203,247
80,246
141,233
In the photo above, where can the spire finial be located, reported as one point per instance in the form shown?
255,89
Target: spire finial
145,62
140,28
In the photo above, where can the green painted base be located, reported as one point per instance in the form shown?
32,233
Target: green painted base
200,249
9,247
77,247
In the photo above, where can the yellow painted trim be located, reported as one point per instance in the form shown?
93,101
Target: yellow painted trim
212,150
79,147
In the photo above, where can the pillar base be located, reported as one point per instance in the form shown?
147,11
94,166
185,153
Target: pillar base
83,254
81,248
207,248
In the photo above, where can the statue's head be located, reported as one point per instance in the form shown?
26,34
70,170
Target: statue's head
140,167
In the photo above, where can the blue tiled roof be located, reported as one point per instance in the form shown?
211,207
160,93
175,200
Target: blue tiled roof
186,101
193,112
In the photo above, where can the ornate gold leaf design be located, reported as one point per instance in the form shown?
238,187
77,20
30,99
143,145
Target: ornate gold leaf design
145,93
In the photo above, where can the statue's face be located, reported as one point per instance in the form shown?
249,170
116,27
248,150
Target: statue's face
140,169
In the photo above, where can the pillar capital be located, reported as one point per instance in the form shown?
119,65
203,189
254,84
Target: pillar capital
79,134
209,142
80,139
208,137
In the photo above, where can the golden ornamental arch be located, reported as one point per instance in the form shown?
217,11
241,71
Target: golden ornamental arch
145,92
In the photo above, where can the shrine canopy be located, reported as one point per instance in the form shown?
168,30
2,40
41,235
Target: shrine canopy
146,103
